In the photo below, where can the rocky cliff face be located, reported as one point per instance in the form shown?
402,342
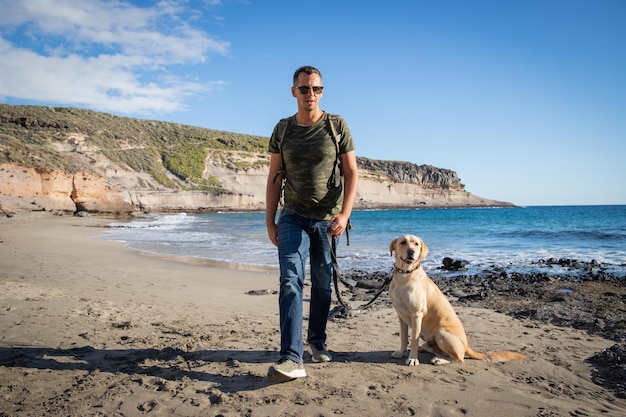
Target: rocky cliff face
73,160
48,189
426,176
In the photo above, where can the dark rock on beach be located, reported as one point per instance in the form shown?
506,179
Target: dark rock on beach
450,264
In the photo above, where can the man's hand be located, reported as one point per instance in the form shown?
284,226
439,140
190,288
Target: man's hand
272,233
338,224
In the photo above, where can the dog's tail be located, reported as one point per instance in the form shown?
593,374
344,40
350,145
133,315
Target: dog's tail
493,356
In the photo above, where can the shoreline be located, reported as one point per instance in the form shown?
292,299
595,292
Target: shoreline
521,250
90,327
9,208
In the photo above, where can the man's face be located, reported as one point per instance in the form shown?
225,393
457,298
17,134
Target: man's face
308,100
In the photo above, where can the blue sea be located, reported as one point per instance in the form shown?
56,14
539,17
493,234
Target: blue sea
516,239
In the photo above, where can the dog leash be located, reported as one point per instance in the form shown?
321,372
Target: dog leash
344,310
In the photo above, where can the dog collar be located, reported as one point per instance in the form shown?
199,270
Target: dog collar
407,271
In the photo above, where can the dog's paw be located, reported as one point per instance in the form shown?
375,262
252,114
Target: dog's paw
398,354
439,361
412,362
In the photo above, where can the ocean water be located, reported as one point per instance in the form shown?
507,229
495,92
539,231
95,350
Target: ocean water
511,238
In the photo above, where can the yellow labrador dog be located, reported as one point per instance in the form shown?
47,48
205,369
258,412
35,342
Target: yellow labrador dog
421,305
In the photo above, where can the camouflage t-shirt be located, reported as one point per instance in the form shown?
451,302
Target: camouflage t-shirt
309,155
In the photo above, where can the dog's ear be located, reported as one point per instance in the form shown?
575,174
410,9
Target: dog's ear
423,250
392,246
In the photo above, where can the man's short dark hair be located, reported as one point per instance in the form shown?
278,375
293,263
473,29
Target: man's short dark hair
307,69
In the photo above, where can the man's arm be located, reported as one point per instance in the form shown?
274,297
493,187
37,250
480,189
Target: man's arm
350,177
272,197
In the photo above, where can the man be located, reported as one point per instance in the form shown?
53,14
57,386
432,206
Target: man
303,160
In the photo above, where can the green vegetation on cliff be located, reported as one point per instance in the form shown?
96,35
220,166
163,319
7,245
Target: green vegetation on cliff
158,148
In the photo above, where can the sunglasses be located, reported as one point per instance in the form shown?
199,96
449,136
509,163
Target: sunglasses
304,89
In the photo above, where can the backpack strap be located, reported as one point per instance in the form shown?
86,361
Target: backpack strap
283,126
333,120
335,179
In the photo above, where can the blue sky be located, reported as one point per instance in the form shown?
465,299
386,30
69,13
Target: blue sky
525,100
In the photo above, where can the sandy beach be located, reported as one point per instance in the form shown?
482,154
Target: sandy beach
90,328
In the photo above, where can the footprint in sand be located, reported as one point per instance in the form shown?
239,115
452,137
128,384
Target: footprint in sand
148,406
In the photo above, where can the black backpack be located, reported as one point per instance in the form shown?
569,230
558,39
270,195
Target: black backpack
332,122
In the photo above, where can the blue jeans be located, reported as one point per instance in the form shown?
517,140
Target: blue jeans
299,237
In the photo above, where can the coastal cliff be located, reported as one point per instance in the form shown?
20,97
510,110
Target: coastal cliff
71,160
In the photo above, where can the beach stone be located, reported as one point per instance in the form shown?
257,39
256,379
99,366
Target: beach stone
450,264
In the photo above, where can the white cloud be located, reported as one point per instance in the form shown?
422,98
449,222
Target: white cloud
106,55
